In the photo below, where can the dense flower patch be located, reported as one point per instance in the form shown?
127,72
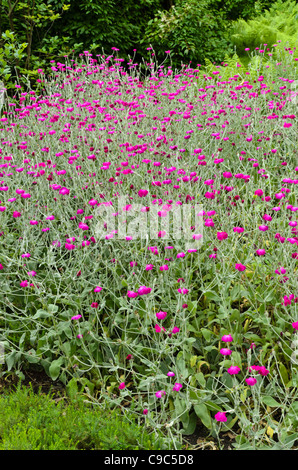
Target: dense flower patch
179,331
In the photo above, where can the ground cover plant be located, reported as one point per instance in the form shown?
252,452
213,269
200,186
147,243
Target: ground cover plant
197,325
31,421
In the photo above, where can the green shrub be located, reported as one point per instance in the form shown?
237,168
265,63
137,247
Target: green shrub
277,23
36,422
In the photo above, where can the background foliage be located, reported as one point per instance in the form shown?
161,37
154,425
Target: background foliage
33,32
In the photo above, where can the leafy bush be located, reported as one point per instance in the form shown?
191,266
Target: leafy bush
193,31
280,22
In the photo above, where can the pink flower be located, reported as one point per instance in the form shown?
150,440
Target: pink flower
171,374
122,386
164,267
263,371
280,271
97,289
221,417
143,290
251,381
261,252
83,226
225,352
177,387
94,305
149,267
158,329
161,315
175,330
160,393
31,273
222,235
76,317
233,370
131,294
227,338
240,267
145,411
183,291
295,325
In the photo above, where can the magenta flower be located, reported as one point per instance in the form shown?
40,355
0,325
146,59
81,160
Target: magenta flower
222,235
31,273
263,371
121,386
177,387
175,330
131,294
280,271
238,229
233,370
94,305
183,291
240,267
143,290
295,325
251,381
227,338
221,417
225,352
164,267
149,267
171,374
142,192
76,317
161,315
160,393
83,226
97,289
261,252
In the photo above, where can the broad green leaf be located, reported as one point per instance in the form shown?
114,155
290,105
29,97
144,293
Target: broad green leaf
212,296
53,308
269,401
192,424
54,368
41,314
203,413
